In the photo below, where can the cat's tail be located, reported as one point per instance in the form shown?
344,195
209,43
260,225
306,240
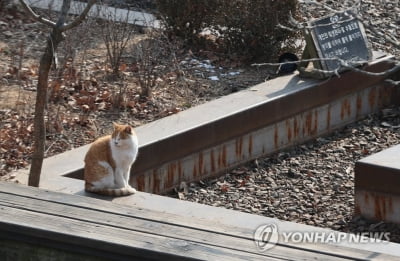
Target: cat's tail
111,192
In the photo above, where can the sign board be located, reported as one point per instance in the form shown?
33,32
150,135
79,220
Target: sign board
339,35
342,36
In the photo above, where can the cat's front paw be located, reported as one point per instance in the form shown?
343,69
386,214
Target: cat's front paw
130,189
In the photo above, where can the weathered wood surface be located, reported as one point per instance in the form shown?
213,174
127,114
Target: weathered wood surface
98,228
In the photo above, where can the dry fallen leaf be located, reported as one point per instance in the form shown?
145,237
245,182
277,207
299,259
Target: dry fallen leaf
123,67
224,188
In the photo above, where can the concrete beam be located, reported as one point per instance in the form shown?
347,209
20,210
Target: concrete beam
212,138
377,186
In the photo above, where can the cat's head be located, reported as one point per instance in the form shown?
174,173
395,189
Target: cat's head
121,134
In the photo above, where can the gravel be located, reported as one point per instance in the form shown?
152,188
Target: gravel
311,183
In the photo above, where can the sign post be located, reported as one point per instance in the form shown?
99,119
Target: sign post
339,36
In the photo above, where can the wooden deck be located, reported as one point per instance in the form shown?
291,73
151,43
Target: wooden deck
45,225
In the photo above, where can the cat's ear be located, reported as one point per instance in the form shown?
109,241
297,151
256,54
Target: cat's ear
115,125
128,129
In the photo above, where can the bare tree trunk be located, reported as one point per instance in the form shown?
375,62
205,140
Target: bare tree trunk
41,98
56,36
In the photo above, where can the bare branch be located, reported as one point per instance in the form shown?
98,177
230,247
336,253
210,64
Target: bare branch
303,61
80,18
343,64
395,68
284,27
116,33
325,72
37,17
392,82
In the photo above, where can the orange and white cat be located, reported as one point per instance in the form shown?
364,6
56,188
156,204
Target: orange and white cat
108,162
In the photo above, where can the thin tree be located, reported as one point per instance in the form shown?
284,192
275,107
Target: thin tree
56,36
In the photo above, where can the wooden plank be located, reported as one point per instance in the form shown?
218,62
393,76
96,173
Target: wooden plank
158,224
100,203
128,224
150,227
34,250
109,239
168,218
68,198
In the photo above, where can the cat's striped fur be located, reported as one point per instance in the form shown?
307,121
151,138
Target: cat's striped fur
108,162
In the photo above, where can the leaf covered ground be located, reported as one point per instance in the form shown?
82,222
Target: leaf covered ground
84,97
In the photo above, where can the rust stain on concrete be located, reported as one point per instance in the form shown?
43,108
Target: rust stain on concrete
156,182
289,131
201,163
383,206
194,171
212,161
308,129
250,148
224,159
239,147
315,130
170,175
180,171
140,182
276,137
372,97
296,128
328,117
358,105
